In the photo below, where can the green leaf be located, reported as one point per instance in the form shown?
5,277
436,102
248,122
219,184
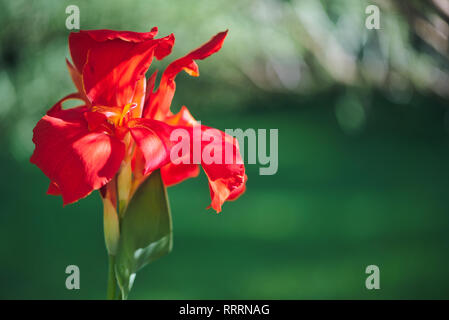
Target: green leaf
145,231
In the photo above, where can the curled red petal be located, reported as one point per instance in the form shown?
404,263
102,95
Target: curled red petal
226,179
164,47
159,102
207,49
226,173
77,160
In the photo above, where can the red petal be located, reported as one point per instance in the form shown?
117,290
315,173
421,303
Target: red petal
226,181
207,49
159,102
164,47
139,98
153,139
76,160
97,121
158,106
77,80
81,42
151,82
112,70
176,173
182,118
111,62
131,36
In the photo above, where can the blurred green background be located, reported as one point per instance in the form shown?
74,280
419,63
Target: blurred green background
363,151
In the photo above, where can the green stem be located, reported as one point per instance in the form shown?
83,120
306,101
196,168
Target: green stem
112,282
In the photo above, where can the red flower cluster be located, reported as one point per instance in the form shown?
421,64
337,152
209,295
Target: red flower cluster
123,120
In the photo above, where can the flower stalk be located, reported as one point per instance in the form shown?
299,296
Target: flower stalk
112,281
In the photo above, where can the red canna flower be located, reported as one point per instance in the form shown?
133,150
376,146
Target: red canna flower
123,120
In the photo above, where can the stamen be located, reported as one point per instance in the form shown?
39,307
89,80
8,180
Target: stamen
129,107
115,115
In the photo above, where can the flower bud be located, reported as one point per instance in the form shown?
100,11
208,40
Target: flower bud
111,226
124,181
